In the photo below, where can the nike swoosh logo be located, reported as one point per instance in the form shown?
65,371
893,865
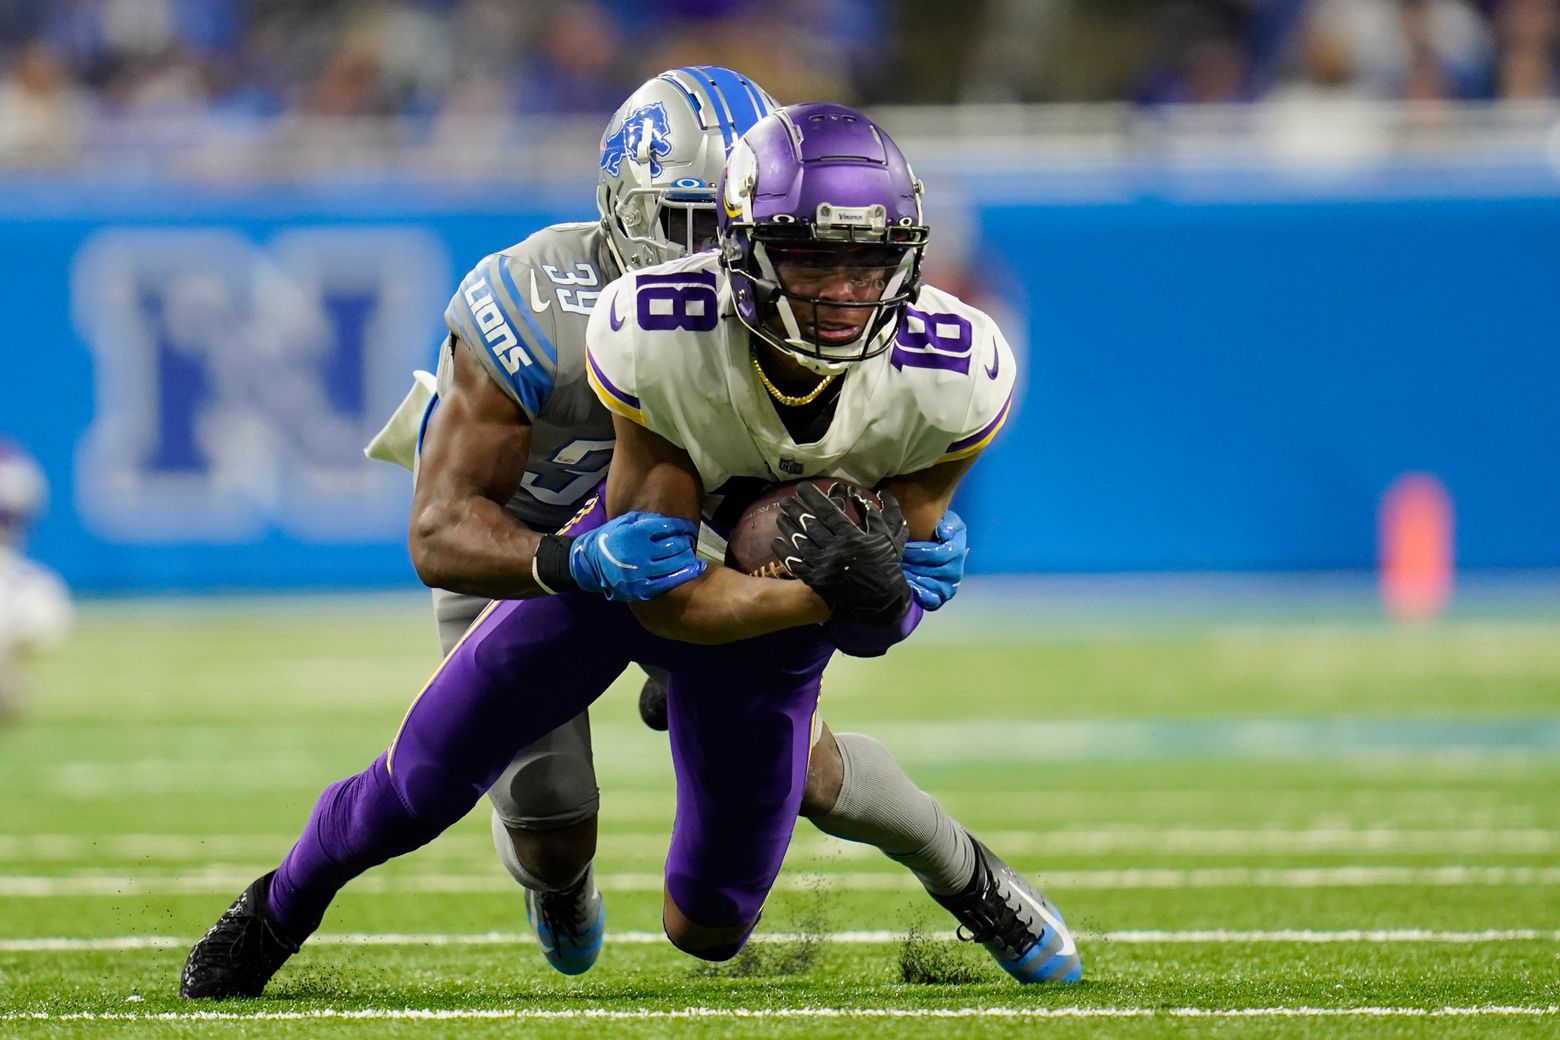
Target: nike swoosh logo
996,361
1068,946
607,552
537,303
612,318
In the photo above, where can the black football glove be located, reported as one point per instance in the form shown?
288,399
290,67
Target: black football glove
855,570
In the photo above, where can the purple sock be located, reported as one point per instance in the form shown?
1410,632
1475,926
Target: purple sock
529,667
357,823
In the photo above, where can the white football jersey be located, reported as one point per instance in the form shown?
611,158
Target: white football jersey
667,350
35,609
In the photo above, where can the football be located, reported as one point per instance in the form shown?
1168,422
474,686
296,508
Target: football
750,548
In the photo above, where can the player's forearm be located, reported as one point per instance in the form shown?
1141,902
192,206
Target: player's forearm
724,606
475,548
859,639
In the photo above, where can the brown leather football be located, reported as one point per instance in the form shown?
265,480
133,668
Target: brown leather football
750,548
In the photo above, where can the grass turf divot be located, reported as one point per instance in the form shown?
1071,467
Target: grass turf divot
926,961
796,954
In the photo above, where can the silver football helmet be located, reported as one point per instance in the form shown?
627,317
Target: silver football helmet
661,157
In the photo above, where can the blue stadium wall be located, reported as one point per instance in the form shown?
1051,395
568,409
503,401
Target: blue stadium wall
1215,380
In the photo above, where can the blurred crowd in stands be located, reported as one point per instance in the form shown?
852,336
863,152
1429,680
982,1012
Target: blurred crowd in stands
1230,51
67,64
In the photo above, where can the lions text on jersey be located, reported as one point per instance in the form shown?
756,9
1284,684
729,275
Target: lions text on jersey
522,314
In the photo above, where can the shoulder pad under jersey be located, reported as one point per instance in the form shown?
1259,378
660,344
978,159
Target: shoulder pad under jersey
522,306
964,369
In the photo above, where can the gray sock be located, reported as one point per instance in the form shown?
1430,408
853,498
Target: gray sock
511,861
878,805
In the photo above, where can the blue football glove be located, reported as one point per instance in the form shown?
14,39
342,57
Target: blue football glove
934,569
636,556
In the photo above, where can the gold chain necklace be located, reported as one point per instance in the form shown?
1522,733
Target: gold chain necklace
786,399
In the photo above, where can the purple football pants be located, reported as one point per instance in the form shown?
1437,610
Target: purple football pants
741,724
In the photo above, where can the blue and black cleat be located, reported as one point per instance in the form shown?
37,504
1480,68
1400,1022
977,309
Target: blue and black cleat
569,925
1017,925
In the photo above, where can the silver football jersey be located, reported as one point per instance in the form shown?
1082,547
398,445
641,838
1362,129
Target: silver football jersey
522,313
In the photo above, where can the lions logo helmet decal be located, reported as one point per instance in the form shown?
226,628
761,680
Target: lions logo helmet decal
644,137
661,155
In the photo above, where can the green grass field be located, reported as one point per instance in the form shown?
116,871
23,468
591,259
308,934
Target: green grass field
1298,826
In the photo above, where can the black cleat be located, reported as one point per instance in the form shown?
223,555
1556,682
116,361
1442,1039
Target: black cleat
1017,925
240,953
652,701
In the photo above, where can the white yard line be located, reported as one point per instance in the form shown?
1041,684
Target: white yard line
1300,935
519,1014
858,938
1120,838
219,881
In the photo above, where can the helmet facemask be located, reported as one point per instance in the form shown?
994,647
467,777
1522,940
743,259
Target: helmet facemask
847,269
652,225
824,279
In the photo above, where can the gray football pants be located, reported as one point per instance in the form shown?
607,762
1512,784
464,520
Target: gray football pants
549,784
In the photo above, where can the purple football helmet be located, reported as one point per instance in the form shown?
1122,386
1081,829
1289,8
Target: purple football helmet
821,233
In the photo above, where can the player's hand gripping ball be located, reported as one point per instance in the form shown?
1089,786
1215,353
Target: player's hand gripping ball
854,567
751,545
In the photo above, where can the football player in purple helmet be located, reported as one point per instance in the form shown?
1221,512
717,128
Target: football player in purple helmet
821,234
901,398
